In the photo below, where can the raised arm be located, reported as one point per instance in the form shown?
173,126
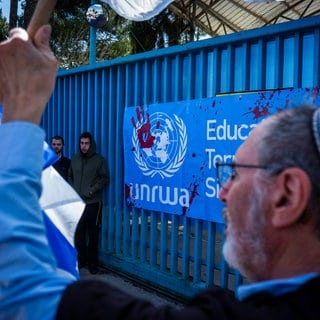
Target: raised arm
31,287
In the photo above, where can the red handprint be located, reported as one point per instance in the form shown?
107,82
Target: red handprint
145,137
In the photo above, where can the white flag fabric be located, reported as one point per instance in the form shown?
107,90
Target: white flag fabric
138,10
62,208
61,202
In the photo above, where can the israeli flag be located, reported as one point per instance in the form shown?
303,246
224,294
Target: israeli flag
62,208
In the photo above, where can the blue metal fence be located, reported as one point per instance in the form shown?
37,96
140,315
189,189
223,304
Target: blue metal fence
178,254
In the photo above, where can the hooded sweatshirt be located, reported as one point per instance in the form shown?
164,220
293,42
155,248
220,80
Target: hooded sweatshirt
88,174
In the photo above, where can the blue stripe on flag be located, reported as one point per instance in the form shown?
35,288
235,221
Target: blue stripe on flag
64,252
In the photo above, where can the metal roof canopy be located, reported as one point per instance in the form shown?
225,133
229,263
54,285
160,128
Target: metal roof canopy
221,17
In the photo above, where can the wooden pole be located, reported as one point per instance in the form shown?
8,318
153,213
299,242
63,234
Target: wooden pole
41,15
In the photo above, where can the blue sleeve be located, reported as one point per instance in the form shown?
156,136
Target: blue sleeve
31,287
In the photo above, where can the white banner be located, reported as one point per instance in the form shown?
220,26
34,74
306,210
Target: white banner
138,10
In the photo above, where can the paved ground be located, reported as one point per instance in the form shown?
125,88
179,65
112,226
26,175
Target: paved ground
129,287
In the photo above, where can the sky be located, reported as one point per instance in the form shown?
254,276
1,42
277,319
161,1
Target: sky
5,6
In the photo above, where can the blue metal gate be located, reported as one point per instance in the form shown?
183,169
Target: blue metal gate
177,254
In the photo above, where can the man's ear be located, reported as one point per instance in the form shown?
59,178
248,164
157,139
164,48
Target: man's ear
290,196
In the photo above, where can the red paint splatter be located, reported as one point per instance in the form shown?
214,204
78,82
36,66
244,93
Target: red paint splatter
130,201
140,113
194,193
133,123
258,113
127,191
262,106
315,92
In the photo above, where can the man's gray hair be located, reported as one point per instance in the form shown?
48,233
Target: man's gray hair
289,141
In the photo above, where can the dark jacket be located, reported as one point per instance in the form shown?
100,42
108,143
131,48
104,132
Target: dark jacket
88,174
62,166
93,299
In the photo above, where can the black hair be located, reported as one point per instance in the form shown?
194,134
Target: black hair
58,138
86,135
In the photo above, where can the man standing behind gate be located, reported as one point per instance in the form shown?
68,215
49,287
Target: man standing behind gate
62,165
88,175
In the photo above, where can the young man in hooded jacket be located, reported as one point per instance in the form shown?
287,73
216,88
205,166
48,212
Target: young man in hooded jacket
88,175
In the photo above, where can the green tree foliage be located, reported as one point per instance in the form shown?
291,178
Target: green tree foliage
71,35
119,37
164,30
4,27
113,40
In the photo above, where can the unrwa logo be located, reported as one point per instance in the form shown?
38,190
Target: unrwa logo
159,143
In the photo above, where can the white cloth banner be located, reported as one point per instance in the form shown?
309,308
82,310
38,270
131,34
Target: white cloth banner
62,208
61,203
138,10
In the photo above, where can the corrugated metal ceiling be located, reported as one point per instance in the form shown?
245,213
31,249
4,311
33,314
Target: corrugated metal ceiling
220,17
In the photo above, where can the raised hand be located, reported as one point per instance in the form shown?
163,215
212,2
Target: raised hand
27,75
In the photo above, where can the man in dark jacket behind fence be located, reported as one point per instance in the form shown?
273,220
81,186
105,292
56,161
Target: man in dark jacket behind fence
63,163
88,175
